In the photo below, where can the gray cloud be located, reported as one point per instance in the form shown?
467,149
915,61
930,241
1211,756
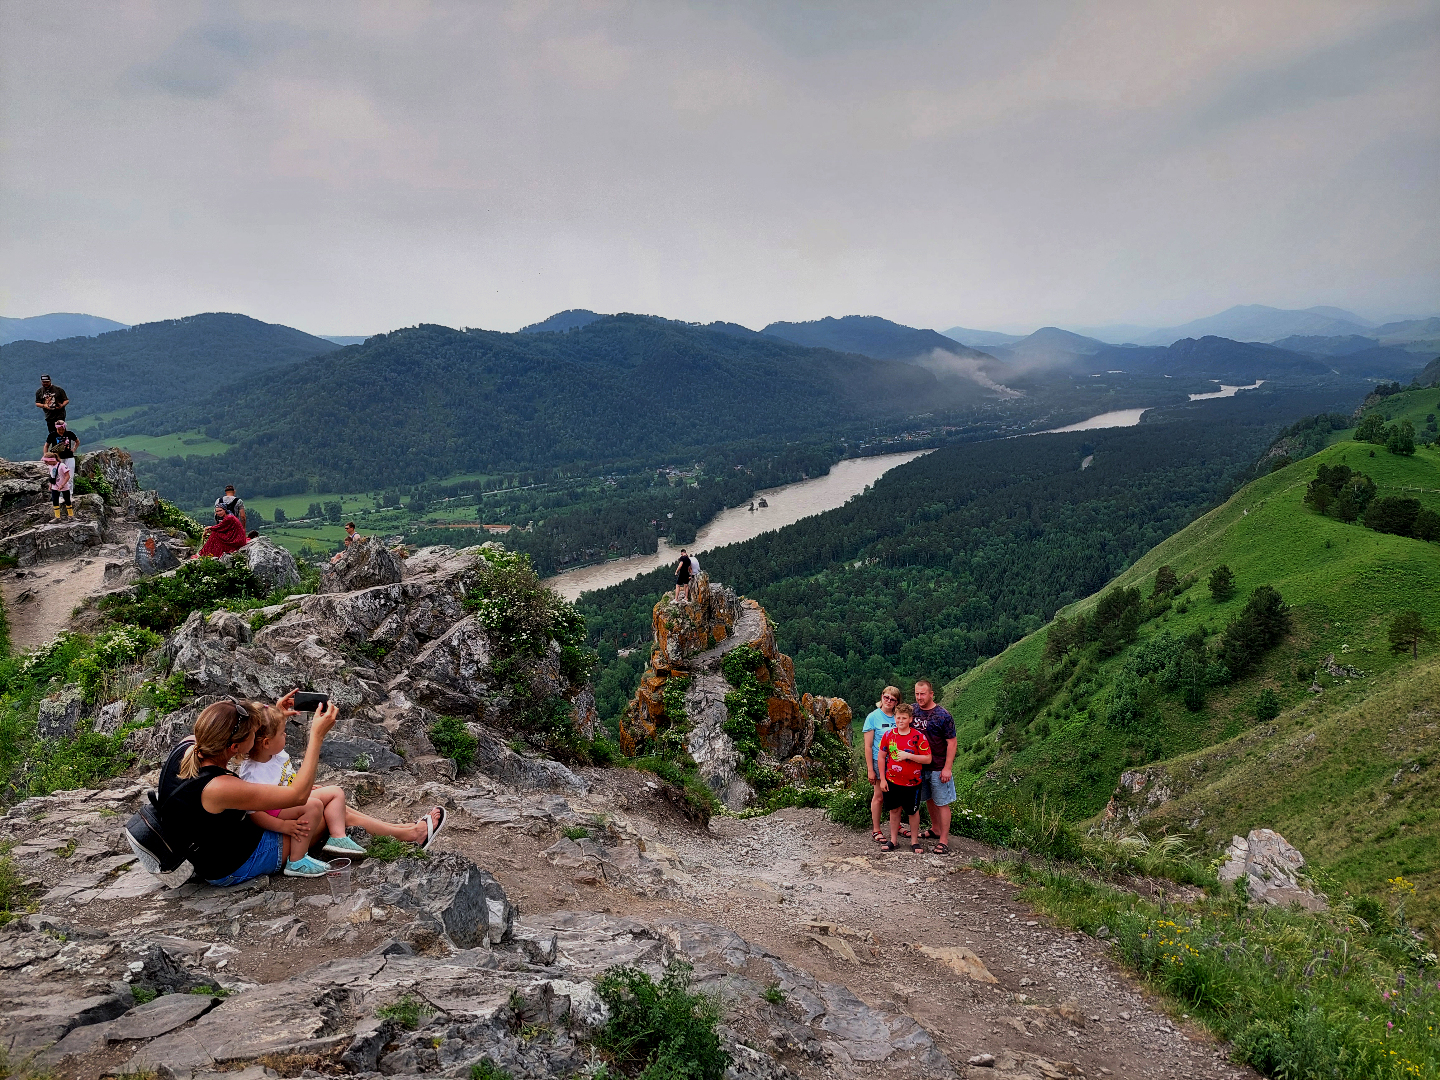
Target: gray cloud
349,168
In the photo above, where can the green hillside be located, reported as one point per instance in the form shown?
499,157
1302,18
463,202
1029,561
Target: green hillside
1347,774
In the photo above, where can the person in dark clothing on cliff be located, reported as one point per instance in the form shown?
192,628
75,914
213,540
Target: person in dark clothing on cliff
62,442
209,816
52,400
682,575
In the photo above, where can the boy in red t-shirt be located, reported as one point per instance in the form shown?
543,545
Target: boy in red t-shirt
902,751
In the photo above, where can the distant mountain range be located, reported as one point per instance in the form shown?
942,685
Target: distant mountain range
430,401
163,363
1248,322
61,324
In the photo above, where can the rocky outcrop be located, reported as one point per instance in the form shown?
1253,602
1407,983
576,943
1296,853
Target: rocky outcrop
364,564
271,566
1271,868
395,657
692,638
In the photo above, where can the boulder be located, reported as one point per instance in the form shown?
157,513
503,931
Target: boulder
113,468
446,891
111,717
1271,868
153,553
271,565
59,714
494,758
349,752
365,563
64,539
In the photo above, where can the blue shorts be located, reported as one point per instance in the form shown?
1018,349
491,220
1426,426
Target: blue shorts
932,789
268,856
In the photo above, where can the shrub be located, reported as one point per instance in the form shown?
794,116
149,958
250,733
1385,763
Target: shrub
109,651
169,516
1267,706
1392,514
406,1011
1222,583
1263,622
1426,526
13,893
485,1069
454,740
162,603
388,849
661,1030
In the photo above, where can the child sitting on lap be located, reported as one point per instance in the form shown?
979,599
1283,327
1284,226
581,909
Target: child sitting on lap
902,751
268,763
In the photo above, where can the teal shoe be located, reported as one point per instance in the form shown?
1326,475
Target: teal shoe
342,845
307,867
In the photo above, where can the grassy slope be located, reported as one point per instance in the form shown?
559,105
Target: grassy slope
1228,775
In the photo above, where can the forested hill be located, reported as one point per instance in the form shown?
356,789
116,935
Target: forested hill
430,402
161,363
870,335
950,558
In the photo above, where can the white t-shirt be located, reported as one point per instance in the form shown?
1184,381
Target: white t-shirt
276,771
694,568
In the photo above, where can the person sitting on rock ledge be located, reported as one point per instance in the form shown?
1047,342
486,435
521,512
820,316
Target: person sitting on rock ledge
205,808
267,763
225,536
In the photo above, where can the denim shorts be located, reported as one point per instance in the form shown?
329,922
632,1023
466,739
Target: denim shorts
268,856
933,789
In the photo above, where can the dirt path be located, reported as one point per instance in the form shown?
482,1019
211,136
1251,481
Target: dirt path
39,599
1058,995
821,897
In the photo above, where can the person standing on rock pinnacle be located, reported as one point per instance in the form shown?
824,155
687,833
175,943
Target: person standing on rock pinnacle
694,591
937,779
52,400
682,575
876,725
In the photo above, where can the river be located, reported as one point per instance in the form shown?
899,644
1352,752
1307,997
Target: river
1226,391
788,504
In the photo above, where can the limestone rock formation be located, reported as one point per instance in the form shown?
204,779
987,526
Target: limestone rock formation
270,565
395,657
154,554
364,564
692,638
1271,868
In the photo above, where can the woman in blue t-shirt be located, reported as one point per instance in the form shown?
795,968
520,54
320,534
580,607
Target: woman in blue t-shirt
876,725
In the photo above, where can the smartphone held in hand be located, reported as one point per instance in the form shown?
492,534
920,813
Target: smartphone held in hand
307,701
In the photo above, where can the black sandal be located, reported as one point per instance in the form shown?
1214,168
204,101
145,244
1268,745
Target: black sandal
918,849
929,834
940,849
887,846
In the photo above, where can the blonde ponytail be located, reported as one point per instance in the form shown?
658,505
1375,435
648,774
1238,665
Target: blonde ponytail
217,728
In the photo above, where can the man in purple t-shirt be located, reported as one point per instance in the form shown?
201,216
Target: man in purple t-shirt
937,780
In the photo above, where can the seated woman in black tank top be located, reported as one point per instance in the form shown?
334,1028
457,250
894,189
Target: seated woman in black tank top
205,808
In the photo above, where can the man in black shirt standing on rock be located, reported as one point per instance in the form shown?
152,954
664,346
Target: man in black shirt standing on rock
52,400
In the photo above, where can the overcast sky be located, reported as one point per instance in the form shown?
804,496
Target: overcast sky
348,168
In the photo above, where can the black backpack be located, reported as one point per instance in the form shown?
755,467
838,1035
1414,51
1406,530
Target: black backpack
147,835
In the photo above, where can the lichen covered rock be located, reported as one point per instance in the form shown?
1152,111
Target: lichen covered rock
692,639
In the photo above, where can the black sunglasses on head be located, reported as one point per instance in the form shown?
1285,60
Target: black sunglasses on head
242,717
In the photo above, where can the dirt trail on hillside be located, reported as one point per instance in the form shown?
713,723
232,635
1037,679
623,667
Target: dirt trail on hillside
39,599
819,896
